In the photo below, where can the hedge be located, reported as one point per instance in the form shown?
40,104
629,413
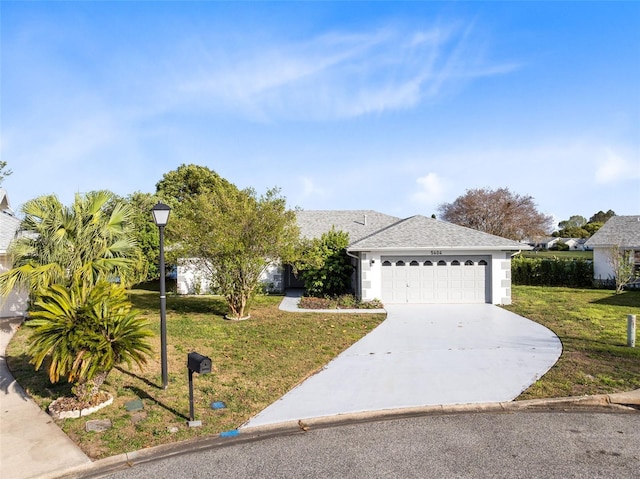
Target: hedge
576,273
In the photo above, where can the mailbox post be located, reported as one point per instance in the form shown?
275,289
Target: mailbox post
200,364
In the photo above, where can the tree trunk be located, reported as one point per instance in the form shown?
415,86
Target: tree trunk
85,390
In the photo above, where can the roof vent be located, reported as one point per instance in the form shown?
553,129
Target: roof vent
365,220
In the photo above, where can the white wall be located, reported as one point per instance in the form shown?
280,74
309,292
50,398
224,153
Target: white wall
371,273
193,277
16,303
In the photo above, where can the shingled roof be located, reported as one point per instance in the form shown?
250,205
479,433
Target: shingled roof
358,223
8,222
420,232
618,230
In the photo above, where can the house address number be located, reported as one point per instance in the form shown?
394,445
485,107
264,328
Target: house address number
434,252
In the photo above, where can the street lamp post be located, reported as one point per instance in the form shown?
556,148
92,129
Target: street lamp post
161,217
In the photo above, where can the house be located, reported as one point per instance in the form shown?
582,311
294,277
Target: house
424,260
621,233
15,304
411,260
417,259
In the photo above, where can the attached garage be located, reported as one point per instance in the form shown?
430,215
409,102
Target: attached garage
435,279
423,260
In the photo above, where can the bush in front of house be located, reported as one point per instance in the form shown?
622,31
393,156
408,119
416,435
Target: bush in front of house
576,273
345,301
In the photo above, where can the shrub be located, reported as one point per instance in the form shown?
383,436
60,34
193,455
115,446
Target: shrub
577,273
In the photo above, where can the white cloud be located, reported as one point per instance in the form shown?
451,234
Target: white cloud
309,188
613,168
339,75
431,191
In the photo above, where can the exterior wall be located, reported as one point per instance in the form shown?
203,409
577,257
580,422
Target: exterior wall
370,268
16,303
193,278
500,277
602,268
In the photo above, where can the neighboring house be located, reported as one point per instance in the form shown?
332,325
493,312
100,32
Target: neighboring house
417,259
621,232
546,243
15,304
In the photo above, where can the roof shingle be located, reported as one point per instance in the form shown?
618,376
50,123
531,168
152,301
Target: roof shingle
618,230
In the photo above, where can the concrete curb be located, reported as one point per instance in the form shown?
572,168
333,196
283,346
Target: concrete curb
627,402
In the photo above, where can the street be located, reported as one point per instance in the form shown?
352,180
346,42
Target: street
480,445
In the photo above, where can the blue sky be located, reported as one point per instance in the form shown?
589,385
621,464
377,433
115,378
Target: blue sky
391,106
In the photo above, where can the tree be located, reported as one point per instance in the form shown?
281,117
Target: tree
84,332
3,171
621,262
601,216
324,265
575,221
145,232
187,182
234,236
499,212
63,245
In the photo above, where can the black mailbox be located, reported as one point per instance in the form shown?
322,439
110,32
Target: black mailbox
198,363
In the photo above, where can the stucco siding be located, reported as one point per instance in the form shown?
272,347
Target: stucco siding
16,303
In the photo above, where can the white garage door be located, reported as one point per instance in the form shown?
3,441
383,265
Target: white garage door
435,279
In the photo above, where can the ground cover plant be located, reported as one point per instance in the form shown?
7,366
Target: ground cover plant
592,325
254,363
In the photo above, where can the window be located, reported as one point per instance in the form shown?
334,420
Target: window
400,263
414,263
442,263
455,262
482,262
386,263
468,263
428,263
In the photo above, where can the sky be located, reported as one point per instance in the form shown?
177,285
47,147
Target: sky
397,107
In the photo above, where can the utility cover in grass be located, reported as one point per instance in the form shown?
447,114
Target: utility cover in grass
135,405
218,405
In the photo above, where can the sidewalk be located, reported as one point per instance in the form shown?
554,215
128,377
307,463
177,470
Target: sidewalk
31,444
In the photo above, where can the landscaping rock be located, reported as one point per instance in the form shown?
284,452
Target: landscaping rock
138,416
65,407
98,425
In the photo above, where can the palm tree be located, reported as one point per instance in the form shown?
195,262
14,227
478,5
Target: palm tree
84,332
86,242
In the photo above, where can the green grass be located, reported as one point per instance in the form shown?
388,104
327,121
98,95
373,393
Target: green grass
257,361
254,363
592,325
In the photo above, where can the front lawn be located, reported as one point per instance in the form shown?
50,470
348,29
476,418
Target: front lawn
254,363
592,325
257,361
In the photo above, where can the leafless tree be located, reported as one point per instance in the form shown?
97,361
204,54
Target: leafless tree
499,212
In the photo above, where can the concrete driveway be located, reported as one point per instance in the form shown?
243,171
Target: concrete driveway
423,355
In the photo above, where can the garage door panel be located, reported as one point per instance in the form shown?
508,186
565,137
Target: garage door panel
444,279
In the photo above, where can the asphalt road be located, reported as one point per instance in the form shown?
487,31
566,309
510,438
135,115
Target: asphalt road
480,445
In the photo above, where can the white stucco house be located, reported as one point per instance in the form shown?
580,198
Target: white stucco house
411,260
420,259
620,232
15,304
